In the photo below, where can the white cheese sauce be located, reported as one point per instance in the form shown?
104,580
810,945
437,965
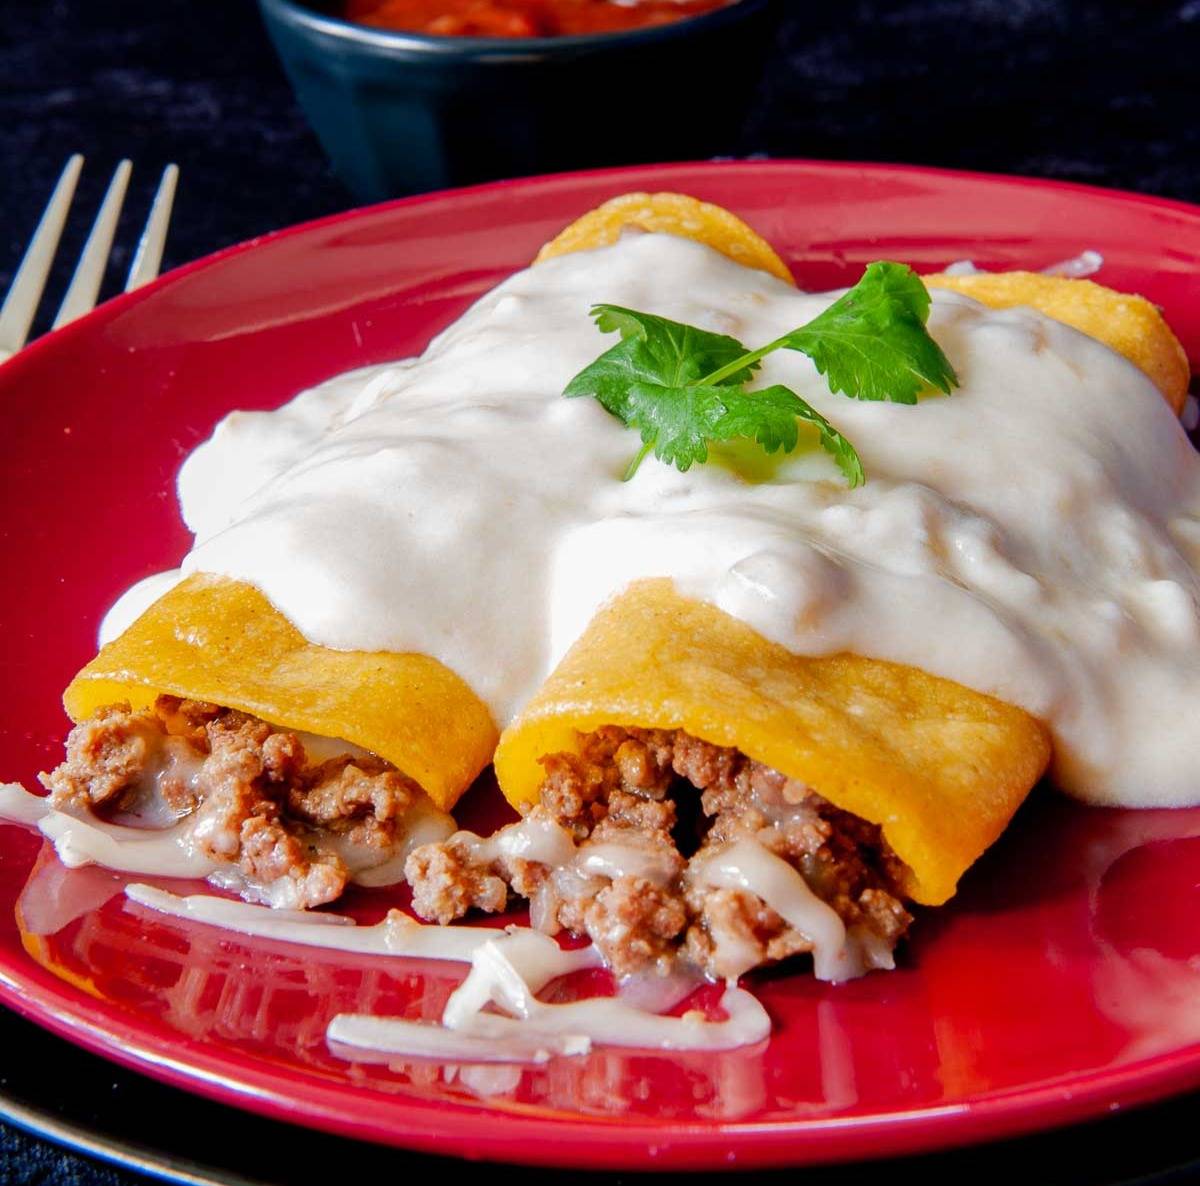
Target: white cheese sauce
180,849
1034,536
747,865
508,969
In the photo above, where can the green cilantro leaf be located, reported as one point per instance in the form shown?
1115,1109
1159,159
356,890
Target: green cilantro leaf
871,343
769,416
682,387
676,422
679,423
653,350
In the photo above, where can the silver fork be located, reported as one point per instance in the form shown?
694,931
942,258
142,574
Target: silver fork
20,305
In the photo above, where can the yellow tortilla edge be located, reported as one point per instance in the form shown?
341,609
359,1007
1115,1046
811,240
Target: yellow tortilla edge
1127,323
571,704
222,641
673,214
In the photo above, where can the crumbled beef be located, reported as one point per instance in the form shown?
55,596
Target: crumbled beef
635,917
273,856
447,882
256,802
652,844
643,762
633,922
733,931
283,757
632,788
526,877
361,798
884,914
653,815
236,730
703,764
632,916
575,791
577,788
187,718
106,757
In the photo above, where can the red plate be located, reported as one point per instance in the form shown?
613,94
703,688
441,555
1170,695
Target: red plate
1064,980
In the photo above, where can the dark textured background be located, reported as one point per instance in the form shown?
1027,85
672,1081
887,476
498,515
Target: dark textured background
1097,92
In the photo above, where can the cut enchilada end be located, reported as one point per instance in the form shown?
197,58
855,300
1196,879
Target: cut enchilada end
221,641
940,768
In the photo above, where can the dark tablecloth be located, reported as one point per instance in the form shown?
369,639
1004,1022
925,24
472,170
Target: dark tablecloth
1099,92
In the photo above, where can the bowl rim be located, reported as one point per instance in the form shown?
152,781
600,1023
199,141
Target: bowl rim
300,13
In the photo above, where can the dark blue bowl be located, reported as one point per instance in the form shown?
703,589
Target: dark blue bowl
401,113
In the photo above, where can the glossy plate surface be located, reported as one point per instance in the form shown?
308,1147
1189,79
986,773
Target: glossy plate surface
1064,981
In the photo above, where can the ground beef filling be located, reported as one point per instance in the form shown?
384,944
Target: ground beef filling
636,788
258,804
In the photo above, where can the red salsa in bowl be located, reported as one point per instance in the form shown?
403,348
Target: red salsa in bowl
523,18
405,100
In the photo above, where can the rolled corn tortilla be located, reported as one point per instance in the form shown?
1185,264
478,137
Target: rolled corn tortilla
222,641
1126,323
669,214
939,767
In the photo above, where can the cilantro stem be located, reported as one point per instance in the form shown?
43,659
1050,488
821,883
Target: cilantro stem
746,360
632,467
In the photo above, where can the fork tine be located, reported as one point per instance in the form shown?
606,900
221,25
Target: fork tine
148,257
89,272
16,316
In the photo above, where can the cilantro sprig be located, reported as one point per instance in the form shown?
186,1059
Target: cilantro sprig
683,388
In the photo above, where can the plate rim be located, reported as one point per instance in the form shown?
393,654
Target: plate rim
83,1142
125,300
539,1136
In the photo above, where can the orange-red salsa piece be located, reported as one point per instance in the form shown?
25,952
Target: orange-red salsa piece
522,18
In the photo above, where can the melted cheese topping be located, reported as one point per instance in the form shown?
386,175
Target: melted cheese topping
176,850
747,865
1034,536
508,969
